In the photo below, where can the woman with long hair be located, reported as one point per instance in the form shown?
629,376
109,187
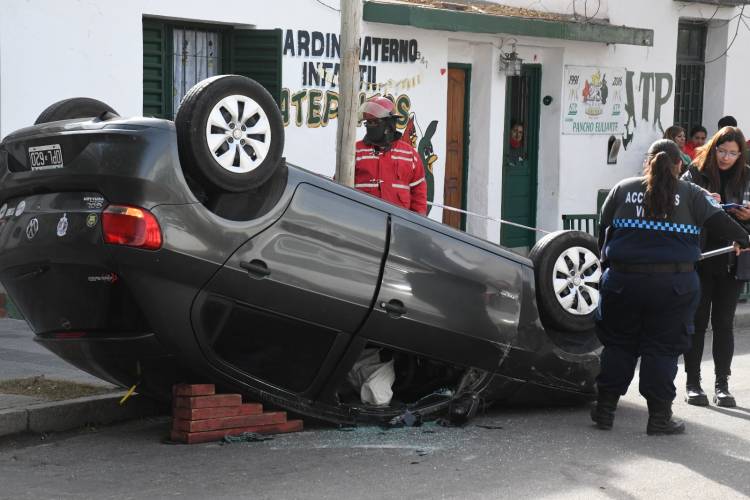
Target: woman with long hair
721,168
650,243
677,135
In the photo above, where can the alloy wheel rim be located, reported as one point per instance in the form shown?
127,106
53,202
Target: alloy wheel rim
238,134
575,280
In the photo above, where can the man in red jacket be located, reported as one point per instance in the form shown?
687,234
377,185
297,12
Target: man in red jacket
386,165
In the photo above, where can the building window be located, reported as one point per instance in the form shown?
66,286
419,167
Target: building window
196,56
689,74
176,56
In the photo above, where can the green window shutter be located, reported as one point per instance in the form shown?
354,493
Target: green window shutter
156,70
257,55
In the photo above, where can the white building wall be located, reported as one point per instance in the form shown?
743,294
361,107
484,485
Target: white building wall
737,97
714,94
548,191
54,49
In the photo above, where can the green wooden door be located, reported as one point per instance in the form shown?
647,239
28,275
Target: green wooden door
523,94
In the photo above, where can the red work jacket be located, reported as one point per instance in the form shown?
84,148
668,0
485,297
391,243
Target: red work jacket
395,175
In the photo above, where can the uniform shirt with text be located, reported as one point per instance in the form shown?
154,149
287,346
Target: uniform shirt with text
634,238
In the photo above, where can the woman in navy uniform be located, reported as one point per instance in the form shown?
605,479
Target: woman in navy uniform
650,243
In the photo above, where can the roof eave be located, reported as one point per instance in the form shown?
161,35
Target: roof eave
447,20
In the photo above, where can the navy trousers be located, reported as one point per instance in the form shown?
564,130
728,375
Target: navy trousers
648,316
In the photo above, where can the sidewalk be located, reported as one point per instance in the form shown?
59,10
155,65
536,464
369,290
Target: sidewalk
22,358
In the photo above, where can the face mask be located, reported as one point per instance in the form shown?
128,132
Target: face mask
376,133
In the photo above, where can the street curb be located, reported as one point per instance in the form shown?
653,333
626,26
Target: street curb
76,413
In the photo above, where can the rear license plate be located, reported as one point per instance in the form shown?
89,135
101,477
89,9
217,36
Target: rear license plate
45,157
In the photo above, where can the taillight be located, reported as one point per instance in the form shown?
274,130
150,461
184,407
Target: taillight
131,226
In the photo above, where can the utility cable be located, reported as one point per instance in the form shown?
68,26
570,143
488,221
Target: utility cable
496,219
736,32
326,5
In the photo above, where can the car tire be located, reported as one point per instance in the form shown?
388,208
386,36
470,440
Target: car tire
230,134
567,272
75,107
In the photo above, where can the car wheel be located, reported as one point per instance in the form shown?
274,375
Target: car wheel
75,107
567,271
230,133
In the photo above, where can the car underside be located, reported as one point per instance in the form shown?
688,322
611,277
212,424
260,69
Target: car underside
144,271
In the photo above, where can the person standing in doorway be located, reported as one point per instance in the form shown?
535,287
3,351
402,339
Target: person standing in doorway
387,165
650,242
515,144
722,170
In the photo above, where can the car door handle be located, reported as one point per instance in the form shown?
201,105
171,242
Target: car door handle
256,268
394,307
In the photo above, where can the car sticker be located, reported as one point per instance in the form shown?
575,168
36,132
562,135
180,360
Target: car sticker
106,278
91,220
93,202
10,211
32,228
20,208
62,226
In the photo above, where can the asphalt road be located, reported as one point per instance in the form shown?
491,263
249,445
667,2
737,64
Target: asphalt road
505,453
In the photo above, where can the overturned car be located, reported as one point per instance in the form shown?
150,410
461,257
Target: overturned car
151,252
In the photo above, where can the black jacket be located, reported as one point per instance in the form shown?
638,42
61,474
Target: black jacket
694,175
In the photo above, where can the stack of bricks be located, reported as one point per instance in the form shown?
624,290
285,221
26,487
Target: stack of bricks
201,415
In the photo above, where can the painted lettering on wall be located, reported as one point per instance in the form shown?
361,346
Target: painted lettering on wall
656,85
316,45
315,108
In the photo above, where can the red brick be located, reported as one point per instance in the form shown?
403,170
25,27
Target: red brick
214,424
2,299
225,411
204,437
194,390
214,401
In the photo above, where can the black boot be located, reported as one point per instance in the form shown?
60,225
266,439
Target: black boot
694,392
603,414
660,419
722,395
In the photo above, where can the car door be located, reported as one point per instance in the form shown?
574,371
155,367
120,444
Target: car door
285,304
444,298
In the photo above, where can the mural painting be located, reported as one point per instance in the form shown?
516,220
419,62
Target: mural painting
661,84
426,152
315,103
